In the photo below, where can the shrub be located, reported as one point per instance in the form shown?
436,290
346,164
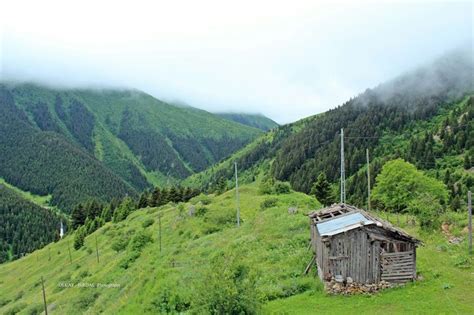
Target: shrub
428,211
130,259
296,286
169,302
139,240
205,200
85,301
15,309
4,301
148,222
265,188
120,243
201,211
268,203
463,262
282,188
19,295
35,309
227,288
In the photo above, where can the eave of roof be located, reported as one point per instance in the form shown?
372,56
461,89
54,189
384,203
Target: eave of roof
349,210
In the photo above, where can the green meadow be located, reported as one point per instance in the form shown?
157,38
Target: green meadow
270,247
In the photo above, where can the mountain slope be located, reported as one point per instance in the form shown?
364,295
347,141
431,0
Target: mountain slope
77,144
45,162
198,251
24,226
299,152
252,120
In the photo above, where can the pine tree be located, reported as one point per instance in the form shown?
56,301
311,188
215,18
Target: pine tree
174,195
79,238
221,185
322,190
106,214
143,202
78,216
156,197
467,162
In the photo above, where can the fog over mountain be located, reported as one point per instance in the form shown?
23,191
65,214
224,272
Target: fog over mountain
284,60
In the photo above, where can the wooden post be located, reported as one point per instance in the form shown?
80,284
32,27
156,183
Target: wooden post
159,232
44,297
49,253
343,172
96,249
469,208
237,194
69,249
368,180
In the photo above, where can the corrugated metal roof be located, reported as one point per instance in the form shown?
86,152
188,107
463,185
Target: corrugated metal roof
343,223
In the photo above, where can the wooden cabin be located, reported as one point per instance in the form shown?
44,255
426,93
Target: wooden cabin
349,242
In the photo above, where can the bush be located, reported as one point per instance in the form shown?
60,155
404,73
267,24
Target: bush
87,300
428,210
227,288
15,309
130,259
205,200
268,203
265,187
35,309
139,240
169,302
148,222
282,188
120,243
4,301
201,211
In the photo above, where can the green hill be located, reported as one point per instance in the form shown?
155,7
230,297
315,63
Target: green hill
252,120
425,117
76,144
25,226
205,258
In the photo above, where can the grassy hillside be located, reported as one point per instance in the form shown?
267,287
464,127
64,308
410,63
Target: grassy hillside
134,137
252,120
270,247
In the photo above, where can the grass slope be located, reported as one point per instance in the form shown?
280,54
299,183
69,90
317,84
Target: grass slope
43,201
271,242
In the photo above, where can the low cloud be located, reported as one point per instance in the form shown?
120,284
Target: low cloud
285,60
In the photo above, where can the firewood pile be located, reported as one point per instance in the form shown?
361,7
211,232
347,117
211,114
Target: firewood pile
348,287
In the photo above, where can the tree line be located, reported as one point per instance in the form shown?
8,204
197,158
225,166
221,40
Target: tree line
89,216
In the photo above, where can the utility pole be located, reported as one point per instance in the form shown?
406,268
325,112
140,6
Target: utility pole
159,231
343,173
469,207
237,194
44,297
368,179
96,249
69,249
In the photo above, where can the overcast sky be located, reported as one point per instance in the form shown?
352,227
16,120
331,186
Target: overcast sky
287,60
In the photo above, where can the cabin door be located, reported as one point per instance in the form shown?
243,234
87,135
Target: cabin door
397,266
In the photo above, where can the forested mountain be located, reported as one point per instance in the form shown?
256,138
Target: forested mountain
252,120
425,116
78,144
24,226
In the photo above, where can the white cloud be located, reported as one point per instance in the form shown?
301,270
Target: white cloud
285,59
